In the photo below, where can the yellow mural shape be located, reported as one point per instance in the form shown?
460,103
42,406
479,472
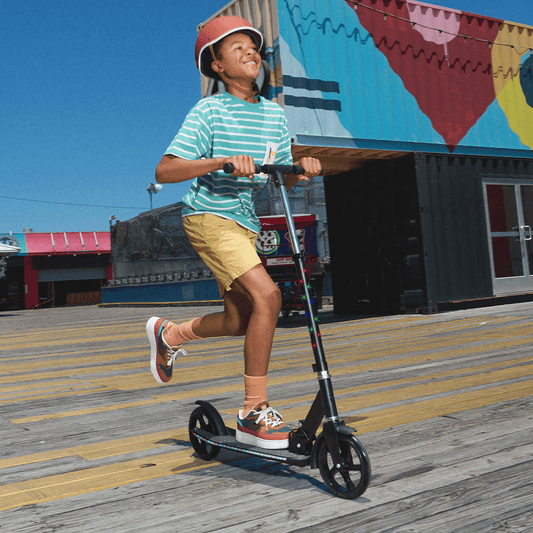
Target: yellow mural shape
506,62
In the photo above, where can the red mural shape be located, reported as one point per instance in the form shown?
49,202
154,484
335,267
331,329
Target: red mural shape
449,76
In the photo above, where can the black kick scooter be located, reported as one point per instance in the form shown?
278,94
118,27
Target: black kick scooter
341,458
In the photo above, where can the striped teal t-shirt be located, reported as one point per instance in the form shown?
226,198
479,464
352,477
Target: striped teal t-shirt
222,126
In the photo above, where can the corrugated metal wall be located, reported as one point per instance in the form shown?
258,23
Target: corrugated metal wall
189,291
403,75
512,67
453,228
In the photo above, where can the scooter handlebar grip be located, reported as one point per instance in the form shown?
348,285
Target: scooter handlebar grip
297,169
228,168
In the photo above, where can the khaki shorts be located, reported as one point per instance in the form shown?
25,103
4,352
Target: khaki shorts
227,248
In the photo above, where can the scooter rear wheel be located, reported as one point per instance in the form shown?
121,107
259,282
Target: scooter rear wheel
351,480
201,418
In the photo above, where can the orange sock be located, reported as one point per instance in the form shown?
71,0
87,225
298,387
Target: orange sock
176,334
254,392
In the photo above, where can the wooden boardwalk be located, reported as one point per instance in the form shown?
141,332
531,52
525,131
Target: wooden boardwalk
89,442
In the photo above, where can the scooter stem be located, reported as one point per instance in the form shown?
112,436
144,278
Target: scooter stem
324,377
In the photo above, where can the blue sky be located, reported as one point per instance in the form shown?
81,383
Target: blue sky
91,94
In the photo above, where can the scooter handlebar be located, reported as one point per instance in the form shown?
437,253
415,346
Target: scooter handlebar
269,169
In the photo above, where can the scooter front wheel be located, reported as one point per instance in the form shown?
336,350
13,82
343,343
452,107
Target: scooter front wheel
350,480
200,418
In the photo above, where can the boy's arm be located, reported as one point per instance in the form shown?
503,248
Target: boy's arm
173,169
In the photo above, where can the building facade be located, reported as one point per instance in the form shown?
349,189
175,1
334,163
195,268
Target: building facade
55,269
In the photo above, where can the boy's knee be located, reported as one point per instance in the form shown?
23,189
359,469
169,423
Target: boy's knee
277,296
271,299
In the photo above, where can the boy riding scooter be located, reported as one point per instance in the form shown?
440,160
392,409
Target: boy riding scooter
242,128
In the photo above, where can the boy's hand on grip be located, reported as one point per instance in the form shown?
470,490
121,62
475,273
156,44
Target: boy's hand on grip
243,166
312,167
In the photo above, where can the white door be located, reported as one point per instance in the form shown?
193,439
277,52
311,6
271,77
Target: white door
509,211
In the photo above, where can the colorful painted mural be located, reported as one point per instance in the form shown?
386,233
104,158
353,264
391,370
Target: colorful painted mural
406,75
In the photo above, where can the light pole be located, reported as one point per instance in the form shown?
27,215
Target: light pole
111,218
153,188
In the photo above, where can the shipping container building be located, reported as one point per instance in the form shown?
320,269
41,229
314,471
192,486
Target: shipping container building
423,119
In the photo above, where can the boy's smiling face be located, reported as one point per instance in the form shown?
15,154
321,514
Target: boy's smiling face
238,58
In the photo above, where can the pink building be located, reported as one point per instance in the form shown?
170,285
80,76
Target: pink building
55,269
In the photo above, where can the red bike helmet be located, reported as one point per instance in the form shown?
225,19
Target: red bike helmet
213,32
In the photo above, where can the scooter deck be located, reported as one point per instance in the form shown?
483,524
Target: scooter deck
229,442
